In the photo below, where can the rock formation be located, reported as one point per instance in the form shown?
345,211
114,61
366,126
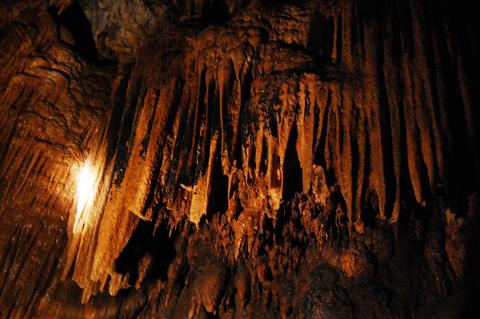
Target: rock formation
273,159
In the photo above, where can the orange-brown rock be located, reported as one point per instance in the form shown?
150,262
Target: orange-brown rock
275,159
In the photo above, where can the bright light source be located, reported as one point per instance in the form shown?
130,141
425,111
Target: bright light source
85,194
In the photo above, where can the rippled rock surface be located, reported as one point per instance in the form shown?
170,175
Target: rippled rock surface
274,159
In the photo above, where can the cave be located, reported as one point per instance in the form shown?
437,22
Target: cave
239,159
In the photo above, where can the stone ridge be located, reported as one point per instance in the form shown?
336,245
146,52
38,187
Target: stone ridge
314,160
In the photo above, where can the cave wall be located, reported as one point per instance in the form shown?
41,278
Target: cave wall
316,159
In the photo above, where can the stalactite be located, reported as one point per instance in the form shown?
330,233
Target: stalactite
277,158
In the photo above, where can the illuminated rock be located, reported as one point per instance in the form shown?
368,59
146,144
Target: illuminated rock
247,159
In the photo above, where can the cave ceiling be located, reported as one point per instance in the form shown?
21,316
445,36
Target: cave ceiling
239,159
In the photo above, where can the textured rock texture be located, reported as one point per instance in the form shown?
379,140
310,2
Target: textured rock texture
273,159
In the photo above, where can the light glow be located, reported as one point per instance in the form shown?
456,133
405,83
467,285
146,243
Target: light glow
85,195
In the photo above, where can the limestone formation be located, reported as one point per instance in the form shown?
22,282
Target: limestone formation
273,159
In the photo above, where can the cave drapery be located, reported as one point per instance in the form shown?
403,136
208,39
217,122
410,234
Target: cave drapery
274,159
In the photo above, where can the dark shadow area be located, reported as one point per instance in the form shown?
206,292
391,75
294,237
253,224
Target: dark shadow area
337,221
472,275
75,21
219,194
292,179
370,209
215,11
118,104
160,246
320,37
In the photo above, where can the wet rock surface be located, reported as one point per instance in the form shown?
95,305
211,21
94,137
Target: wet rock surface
265,159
